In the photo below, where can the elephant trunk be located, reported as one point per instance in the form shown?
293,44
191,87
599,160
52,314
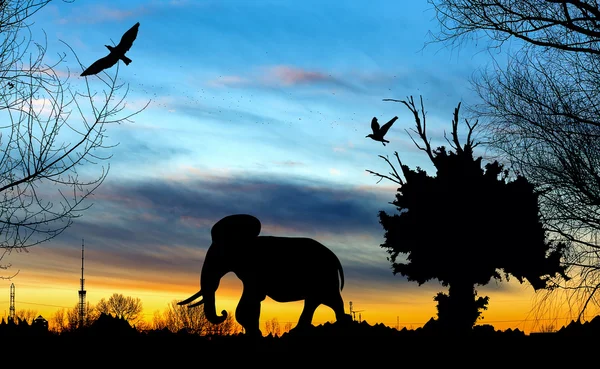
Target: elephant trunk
210,310
209,307
215,267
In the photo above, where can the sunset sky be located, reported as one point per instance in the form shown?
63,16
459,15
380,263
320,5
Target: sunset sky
257,107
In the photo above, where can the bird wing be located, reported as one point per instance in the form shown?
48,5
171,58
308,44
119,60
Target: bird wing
387,126
374,125
100,64
128,38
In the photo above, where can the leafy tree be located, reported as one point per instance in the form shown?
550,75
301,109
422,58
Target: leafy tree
542,114
465,226
122,307
49,132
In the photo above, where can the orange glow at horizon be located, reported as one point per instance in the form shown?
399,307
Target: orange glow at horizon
49,279
410,309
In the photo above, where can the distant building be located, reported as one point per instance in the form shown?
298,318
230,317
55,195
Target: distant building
40,323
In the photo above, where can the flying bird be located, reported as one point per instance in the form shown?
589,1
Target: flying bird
378,132
116,53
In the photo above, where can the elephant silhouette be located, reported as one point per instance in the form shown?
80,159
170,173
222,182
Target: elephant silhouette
283,268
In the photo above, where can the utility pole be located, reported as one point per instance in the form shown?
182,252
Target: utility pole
353,312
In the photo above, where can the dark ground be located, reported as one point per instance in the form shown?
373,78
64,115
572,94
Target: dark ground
351,345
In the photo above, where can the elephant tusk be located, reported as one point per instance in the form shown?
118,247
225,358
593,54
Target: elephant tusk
197,303
191,298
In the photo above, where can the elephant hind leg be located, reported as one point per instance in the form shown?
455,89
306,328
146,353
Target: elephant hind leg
310,305
336,303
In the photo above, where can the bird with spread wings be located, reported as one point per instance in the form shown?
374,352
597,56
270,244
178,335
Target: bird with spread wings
379,132
116,53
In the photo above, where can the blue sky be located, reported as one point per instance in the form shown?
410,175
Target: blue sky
277,86
258,107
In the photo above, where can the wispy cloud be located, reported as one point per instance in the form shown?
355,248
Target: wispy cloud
225,81
289,163
138,227
282,76
149,212
289,76
343,148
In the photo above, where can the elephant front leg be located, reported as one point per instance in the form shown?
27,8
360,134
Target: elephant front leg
247,313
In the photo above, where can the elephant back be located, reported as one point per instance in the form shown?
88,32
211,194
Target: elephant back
235,227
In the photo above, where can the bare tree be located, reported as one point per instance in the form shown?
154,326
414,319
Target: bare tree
272,327
176,318
228,327
287,327
48,131
65,320
26,315
56,323
125,307
158,321
541,113
569,25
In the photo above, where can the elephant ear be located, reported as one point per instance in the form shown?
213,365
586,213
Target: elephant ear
235,227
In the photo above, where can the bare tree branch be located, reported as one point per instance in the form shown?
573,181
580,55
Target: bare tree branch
48,131
394,176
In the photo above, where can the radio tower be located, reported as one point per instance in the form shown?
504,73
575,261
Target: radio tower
81,293
11,311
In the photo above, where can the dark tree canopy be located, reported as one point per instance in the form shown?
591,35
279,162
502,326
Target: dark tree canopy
467,224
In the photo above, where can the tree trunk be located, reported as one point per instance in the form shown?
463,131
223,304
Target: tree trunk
458,311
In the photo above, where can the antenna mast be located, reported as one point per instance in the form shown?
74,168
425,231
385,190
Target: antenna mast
11,312
82,293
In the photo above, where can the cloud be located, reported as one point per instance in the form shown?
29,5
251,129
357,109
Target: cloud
289,76
282,76
150,213
298,205
136,228
153,233
226,81
344,148
289,163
